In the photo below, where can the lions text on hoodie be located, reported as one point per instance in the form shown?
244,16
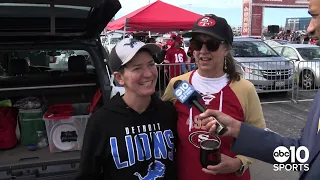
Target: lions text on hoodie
120,143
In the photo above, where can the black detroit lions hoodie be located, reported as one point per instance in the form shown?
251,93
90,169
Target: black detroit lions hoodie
120,143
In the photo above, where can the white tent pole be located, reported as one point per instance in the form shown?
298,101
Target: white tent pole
125,27
124,31
149,31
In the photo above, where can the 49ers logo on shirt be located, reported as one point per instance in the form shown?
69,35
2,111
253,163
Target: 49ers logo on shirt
206,22
207,98
195,138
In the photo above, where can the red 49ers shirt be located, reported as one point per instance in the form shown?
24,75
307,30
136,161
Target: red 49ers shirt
237,99
175,56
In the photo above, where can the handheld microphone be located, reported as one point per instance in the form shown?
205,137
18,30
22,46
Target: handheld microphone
188,96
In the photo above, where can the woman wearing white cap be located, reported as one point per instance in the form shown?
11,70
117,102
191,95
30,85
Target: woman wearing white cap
132,136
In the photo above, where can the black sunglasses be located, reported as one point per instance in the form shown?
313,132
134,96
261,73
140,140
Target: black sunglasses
212,44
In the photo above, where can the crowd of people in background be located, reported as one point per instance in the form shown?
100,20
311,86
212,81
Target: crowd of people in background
296,37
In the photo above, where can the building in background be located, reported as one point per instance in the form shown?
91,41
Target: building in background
297,24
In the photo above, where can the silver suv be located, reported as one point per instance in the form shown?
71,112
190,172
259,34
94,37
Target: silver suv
262,65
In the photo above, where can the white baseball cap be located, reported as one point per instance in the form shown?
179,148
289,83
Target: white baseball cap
124,51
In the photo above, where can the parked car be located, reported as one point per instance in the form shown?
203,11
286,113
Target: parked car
31,30
111,42
58,60
307,62
262,65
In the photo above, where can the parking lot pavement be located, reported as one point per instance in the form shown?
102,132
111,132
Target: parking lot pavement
264,171
273,97
287,119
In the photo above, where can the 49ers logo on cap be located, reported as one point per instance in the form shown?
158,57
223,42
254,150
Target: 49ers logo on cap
206,22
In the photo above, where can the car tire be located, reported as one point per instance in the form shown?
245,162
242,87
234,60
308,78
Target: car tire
306,79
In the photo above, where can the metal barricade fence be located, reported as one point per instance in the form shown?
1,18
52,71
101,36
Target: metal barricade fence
308,77
267,76
270,76
169,71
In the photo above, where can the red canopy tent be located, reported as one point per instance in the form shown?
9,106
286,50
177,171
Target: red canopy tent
158,16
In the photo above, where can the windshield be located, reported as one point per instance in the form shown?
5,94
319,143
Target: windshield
252,49
48,60
309,53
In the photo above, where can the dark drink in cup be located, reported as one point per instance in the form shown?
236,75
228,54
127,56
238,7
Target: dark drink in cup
210,152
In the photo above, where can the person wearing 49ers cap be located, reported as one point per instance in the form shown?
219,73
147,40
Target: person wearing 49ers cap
221,88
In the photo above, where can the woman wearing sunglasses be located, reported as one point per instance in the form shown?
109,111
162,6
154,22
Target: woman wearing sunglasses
221,87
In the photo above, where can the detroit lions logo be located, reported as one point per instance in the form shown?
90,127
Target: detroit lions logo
153,173
131,43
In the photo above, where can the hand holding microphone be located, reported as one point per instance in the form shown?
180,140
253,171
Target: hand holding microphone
210,122
187,95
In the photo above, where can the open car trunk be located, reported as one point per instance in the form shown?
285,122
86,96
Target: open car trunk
46,84
60,82
44,35
68,78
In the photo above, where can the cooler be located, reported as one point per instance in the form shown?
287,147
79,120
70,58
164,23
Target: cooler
65,125
31,121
